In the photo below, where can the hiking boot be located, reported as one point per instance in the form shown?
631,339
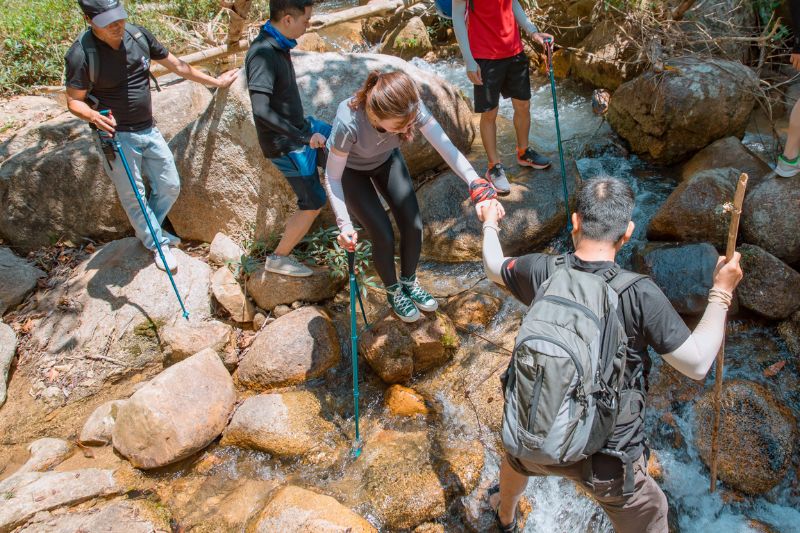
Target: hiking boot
172,263
532,158
402,305
497,176
787,168
286,265
420,297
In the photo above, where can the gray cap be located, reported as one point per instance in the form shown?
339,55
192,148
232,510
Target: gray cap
103,12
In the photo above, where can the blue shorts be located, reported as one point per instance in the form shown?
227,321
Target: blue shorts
300,169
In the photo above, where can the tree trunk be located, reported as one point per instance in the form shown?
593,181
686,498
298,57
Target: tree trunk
238,11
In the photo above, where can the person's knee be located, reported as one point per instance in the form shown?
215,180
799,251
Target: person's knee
523,106
490,116
310,194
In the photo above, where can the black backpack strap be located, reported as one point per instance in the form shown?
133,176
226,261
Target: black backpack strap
628,468
89,46
623,280
141,41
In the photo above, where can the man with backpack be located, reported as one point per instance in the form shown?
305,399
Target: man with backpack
488,35
108,85
576,385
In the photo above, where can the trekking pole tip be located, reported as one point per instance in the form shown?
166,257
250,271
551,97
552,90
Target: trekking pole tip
186,315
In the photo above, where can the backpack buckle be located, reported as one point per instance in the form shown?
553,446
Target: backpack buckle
610,274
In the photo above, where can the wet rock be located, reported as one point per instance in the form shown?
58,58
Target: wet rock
184,339
296,347
231,297
17,279
770,287
45,454
116,517
770,216
611,58
693,212
29,493
305,511
429,528
685,272
114,305
727,152
223,250
534,214
403,401
668,116
473,310
443,280
221,163
178,412
375,29
396,350
216,503
99,426
406,487
312,42
288,425
756,437
8,348
408,40
270,290
53,165
789,330
669,387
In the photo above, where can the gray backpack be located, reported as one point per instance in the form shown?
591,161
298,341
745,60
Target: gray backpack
563,387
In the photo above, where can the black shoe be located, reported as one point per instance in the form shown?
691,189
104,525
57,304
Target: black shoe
504,528
532,158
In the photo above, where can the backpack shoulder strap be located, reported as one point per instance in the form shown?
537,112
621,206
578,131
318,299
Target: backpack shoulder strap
141,41
90,50
623,280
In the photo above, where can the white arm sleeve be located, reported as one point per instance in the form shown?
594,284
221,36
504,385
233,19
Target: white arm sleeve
694,357
433,131
521,18
333,185
493,257
460,29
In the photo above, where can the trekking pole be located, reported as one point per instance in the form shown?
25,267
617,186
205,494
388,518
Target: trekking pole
733,231
109,139
548,45
354,293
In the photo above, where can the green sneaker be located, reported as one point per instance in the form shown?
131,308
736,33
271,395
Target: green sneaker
402,305
787,168
418,295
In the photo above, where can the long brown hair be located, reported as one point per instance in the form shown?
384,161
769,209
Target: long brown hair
388,96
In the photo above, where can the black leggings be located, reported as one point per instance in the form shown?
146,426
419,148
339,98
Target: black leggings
393,181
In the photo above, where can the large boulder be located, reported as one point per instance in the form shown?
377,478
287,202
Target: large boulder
45,454
668,116
270,290
116,517
397,350
49,168
184,339
685,272
693,212
8,347
710,22
296,347
221,163
17,279
408,40
534,214
288,425
304,511
108,314
727,152
609,59
177,413
789,330
770,287
770,216
756,437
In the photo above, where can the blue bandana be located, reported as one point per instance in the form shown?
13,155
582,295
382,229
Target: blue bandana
283,42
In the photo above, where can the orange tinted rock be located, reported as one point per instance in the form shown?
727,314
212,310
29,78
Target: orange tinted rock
403,401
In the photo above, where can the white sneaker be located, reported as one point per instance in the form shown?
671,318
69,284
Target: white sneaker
786,168
172,240
172,263
286,265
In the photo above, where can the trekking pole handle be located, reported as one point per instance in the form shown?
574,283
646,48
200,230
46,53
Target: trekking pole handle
351,262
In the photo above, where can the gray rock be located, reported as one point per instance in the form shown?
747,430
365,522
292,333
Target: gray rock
770,218
296,347
8,347
116,517
186,338
272,290
229,294
727,152
611,57
178,412
17,279
769,287
99,426
223,250
45,454
408,40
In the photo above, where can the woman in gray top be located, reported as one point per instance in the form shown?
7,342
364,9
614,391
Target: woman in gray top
364,155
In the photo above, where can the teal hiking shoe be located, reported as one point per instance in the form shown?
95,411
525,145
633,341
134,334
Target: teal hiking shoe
418,295
402,305
787,168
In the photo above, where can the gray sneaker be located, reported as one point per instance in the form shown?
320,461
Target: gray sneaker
497,176
286,265
786,168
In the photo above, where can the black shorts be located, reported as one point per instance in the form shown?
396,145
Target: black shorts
510,77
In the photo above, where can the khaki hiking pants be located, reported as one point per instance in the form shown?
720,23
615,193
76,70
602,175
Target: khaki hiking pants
645,511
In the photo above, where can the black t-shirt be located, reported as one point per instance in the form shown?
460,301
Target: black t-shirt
270,71
123,80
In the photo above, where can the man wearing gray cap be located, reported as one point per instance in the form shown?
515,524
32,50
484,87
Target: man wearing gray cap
108,85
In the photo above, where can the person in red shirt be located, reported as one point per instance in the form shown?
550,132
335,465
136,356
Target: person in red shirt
488,34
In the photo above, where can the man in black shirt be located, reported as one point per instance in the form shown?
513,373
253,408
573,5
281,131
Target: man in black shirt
602,225
110,67
293,143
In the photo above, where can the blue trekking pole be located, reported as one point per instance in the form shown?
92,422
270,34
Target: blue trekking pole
355,293
548,45
107,139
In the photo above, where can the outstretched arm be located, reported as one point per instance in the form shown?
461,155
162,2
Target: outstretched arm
186,71
462,36
493,258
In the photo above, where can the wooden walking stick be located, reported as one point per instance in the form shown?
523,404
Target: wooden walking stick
733,231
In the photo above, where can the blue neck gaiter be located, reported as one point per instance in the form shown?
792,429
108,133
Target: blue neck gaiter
283,42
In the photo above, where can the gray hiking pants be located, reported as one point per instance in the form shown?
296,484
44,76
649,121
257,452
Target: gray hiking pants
645,511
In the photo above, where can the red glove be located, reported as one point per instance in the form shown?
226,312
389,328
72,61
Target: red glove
481,190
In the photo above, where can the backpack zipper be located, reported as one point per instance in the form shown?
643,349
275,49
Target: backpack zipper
578,366
569,303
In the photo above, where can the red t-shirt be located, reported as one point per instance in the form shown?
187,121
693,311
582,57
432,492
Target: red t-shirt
492,30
